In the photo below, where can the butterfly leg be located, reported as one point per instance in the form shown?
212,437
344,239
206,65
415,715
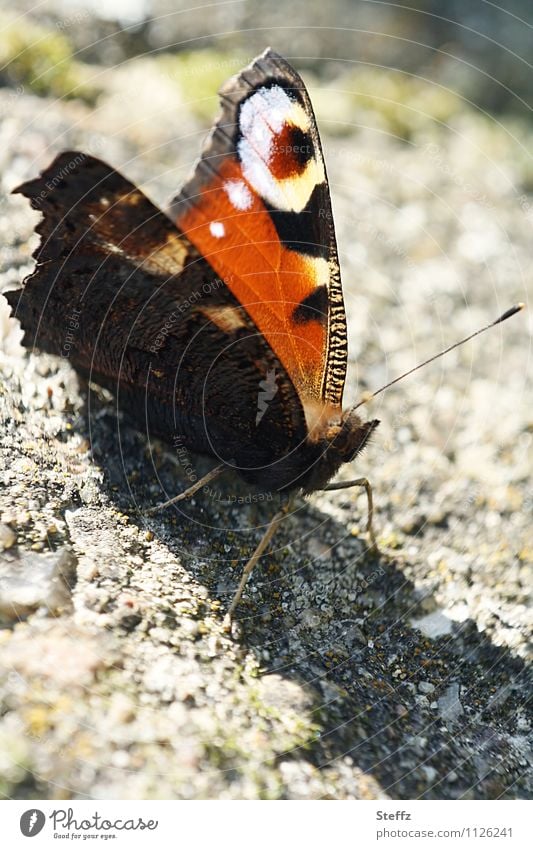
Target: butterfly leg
368,489
267,536
214,473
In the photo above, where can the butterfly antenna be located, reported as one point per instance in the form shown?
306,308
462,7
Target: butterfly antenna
507,314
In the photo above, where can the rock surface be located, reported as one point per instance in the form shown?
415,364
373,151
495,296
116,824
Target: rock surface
348,675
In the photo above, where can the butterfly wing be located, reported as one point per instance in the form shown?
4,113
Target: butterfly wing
132,305
258,208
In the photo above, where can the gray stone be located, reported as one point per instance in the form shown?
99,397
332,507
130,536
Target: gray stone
450,707
30,581
7,537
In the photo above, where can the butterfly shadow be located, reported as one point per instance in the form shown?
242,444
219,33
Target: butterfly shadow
391,707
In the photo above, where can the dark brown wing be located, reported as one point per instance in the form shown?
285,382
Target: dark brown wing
124,295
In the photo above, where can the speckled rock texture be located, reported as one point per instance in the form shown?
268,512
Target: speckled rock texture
347,675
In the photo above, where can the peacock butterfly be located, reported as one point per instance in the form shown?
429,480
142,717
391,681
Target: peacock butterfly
220,324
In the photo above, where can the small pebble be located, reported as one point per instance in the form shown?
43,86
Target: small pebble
7,537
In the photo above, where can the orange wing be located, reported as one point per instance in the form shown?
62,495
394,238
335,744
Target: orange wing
258,208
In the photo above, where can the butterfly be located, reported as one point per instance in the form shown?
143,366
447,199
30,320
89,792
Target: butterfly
220,325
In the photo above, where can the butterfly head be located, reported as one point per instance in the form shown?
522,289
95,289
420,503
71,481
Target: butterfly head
338,443
353,435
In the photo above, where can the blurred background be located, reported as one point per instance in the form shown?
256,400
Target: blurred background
477,48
